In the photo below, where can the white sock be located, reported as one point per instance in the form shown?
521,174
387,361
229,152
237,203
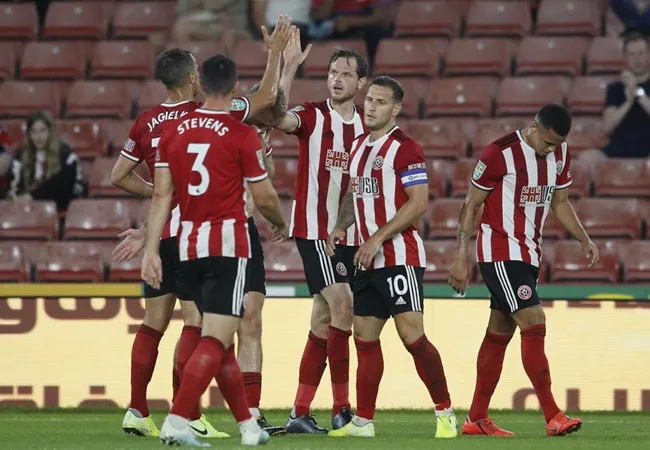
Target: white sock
250,425
445,412
293,412
255,412
360,421
177,422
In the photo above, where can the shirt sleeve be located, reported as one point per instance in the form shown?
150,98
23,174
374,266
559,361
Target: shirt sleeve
490,168
615,95
161,161
564,179
252,157
269,151
306,114
410,165
240,108
132,149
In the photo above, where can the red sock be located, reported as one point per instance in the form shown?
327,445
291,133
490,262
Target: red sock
369,372
190,337
312,366
338,355
176,381
488,371
429,366
231,384
536,367
253,388
202,367
143,360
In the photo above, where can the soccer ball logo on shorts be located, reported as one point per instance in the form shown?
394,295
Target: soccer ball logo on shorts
560,166
524,292
378,162
340,268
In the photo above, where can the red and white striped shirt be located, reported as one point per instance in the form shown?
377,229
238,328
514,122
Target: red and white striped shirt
211,155
380,172
323,169
522,186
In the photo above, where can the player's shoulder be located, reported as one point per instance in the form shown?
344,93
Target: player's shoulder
498,146
406,142
310,106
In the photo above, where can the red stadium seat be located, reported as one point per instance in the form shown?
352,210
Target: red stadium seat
126,271
140,19
443,216
568,17
18,21
587,95
525,95
100,179
317,63
46,60
460,177
284,144
13,264
15,129
284,180
499,18
21,98
416,56
438,138
201,50
550,54
139,209
99,99
70,261
308,91
96,219
476,56
636,262
283,262
250,57
428,18
610,217
553,229
623,178
570,265
460,96
86,137
605,56
122,59
7,61
29,220
440,257
581,176
415,89
117,132
264,226
489,130
438,171
152,94
76,19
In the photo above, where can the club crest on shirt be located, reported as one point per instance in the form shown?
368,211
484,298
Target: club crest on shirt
560,166
260,159
478,170
378,163
524,292
340,268
237,104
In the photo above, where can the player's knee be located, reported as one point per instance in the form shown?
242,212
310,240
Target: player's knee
251,325
157,318
409,329
529,317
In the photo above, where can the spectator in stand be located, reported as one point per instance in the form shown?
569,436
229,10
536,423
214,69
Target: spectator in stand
45,168
266,13
626,118
371,20
635,15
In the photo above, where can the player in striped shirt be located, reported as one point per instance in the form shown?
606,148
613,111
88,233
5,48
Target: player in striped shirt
325,131
388,193
518,179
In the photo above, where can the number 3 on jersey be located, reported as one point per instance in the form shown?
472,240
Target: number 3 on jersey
200,150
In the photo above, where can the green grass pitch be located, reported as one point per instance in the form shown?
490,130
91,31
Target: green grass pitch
396,430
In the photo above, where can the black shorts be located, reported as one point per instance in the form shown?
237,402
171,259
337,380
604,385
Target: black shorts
388,291
216,284
255,271
321,270
170,261
512,285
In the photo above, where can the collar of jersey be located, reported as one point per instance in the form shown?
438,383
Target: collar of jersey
329,105
174,104
383,138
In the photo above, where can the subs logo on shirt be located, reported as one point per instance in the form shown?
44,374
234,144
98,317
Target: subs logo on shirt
365,187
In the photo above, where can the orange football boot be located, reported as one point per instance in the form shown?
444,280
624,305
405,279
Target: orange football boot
561,425
484,427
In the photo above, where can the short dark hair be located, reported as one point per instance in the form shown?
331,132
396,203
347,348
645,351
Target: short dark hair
173,66
393,84
346,53
218,75
556,118
633,37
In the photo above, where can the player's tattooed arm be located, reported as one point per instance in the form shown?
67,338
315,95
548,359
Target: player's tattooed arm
473,201
346,212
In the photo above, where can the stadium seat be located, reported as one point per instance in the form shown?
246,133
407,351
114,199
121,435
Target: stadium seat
551,55
568,17
553,229
152,94
15,129
428,18
21,98
321,52
440,257
250,57
489,130
76,19
460,96
438,138
570,265
117,132
100,179
415,89
18,21
140,19
438,171
442,217
264,226
636,262
71,261
284,180
122,59
284,144
139,209
28,220
46,60
580,173
86,137
201,50
96,219
587,95
13,264
99,99
283,262
586,133
622,178
478,56
308,91
416,56
7,61
610,217
460,177
525,95
499,18
605,56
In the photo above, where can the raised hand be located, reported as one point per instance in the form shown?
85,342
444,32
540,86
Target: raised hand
293,54
279,39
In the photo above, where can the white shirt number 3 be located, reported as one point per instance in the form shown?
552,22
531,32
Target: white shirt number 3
200,150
